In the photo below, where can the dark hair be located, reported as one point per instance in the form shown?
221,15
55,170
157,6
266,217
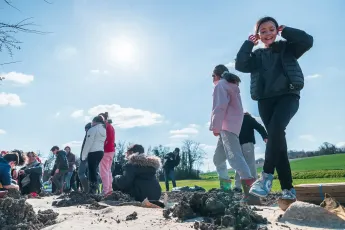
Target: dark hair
21,157
263,20
223,72
177,150
67,147
54,148
98,119
88,125
104,115
33,153
136,149
13,156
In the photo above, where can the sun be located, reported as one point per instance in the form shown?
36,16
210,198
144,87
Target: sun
122,51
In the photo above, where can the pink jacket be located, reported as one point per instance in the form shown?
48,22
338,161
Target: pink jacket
227,111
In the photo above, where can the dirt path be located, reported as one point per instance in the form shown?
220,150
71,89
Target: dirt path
79,217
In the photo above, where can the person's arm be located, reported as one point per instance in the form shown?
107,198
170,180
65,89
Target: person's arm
298,41
13,186
6,180
126,180
221,100
90,137
54,168
258,127
36,169
246,61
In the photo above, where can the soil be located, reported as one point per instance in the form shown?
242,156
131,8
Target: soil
76,198
16,213
221,208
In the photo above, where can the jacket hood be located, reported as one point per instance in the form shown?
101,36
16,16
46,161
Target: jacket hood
145,160
2,160
101,130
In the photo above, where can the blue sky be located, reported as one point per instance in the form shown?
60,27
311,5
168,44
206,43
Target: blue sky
149,64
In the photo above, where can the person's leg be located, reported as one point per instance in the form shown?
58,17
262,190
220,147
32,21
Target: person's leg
166,177
219,160
238,184
249,156
82,175
172,177
285,109
105,171
58,180
94,159
110,172
234,154
68,177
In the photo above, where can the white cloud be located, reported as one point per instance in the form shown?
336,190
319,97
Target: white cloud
10,99
2,131
127,117
341,144
192,129
19,78
179,136
208,148
207,125
57,114
309,77
77,113
230,65
72,144
66,52
307,137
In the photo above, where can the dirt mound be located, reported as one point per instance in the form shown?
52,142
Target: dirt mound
222,208
119,196
16,213
76,198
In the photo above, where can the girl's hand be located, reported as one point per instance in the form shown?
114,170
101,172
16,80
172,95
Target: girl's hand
280,28
254,38
215,134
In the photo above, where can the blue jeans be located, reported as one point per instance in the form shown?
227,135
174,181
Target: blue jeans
68,177
169,174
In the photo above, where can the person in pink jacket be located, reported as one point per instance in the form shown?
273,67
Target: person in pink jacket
226,121
107,160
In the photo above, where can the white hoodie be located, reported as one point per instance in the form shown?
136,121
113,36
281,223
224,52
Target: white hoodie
95,138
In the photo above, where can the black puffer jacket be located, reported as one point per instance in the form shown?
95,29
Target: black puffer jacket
247,130
139,177
61,162
171,161
275,71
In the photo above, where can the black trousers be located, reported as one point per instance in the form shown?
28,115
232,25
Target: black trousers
93,160
276,114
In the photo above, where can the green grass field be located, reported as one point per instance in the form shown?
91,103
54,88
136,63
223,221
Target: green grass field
208,184
329,162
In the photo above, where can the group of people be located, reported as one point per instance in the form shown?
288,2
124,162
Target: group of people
276,82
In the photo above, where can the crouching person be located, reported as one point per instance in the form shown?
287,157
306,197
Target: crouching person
30,176
139,175
8,162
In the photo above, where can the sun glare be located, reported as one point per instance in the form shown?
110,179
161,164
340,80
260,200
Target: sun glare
122,51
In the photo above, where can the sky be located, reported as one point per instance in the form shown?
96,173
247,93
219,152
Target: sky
149,64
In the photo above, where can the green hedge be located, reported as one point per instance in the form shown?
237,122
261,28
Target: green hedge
300,174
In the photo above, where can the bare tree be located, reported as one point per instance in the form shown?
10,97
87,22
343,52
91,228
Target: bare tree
120,152
8,32
193,154
160,151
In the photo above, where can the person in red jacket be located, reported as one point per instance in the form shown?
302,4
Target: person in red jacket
107,160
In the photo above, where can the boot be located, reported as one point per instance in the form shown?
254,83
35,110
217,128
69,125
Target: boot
93,188
249,198
85,184
225,184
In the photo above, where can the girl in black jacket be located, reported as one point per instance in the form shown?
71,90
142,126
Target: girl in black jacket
139,175
276,82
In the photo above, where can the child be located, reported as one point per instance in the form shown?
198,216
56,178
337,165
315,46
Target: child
8,162
226,122
276,82
139,175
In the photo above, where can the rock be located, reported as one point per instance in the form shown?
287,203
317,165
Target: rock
316,216
284,204
132,216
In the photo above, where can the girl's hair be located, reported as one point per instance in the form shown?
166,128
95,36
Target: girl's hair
13,156
223,72
104,115
263,20
32,153
98,119
21,157
136,149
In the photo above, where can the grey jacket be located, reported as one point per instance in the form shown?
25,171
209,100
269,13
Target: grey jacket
275,71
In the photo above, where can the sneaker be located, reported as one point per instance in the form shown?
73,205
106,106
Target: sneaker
237,190
289,194
262,186
225,184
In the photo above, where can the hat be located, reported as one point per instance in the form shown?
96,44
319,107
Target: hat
136,149
54,148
